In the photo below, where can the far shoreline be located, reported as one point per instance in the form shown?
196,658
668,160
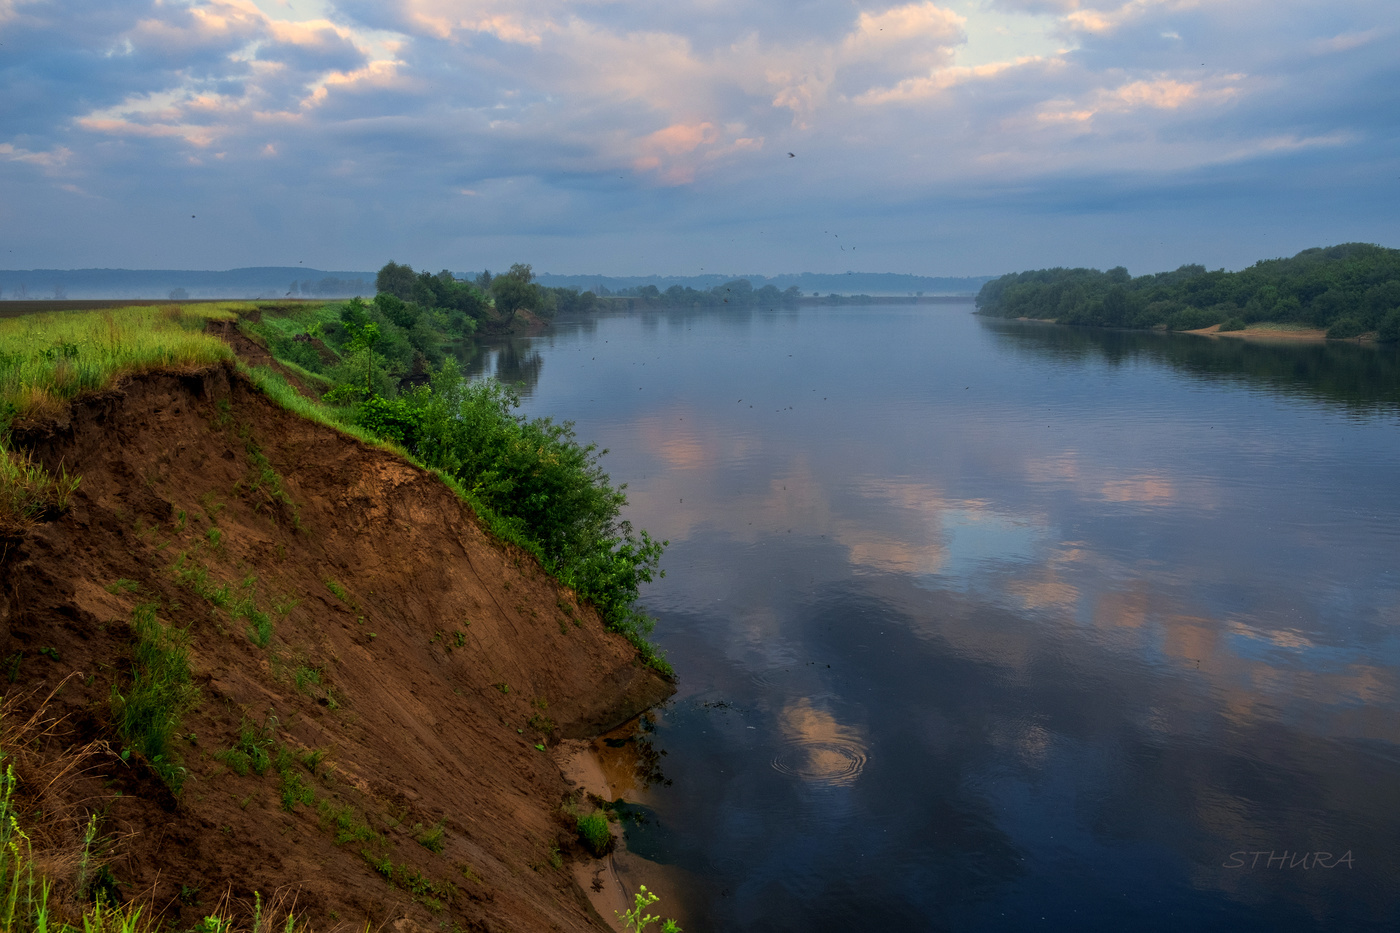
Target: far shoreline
1262,334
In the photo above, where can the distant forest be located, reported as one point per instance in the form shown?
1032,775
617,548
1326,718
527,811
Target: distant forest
519,288
1350,290
807,283
736,292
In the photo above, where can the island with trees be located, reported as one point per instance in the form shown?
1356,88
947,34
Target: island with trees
1350,290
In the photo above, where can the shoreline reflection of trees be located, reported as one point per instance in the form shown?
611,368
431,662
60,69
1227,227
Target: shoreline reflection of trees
1358,377
518,365
511,361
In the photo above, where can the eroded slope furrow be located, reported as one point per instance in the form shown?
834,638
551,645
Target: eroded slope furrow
375,674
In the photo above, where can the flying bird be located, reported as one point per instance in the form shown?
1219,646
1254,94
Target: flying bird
792,155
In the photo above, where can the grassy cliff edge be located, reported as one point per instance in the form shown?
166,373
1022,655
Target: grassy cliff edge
250,658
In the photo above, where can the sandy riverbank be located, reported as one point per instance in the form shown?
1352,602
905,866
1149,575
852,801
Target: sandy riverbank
610,767
1264,332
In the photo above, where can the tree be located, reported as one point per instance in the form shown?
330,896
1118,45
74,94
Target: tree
397,280
515,290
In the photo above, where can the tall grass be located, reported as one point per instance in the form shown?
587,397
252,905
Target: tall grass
28,492
48,358
148,714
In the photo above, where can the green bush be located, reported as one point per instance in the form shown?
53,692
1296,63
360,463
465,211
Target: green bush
593,832
530,480
1233,324
536,477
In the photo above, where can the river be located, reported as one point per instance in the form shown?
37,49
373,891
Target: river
987,625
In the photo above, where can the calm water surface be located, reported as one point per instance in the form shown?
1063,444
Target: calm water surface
992,626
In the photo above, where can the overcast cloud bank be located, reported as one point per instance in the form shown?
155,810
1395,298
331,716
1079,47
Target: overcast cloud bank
974,137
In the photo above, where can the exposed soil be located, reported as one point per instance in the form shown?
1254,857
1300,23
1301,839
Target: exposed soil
1267,333
255,354
422,657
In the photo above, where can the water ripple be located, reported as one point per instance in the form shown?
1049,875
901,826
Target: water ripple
835,764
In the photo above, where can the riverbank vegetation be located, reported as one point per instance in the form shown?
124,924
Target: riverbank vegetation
381,367
381,370
479,298
1349,290
132,606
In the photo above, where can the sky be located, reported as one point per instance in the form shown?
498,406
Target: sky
630,137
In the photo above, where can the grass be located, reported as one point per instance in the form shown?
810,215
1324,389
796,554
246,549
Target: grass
254,749
28,492
593,832
304,676
264,477
540,722
147,715
423,888
294,789
347,824
240,603
258,751
49,358
195,577
339,592
431,838
245,607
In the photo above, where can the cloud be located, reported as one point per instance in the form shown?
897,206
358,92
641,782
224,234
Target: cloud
617,116
1090,18
53,159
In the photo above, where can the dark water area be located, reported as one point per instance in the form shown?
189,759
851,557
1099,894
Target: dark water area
984,625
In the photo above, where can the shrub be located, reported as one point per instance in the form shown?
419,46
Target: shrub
593,832
1233,324
543,485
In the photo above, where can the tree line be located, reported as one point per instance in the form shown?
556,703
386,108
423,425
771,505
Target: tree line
1349,290
736,293
506,293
